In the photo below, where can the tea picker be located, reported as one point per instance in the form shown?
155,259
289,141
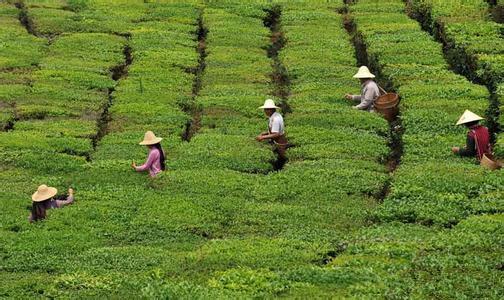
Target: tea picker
42,200
276,132
369,93
155,162
478,138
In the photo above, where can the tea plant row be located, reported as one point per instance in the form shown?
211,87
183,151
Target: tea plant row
431,186
473,43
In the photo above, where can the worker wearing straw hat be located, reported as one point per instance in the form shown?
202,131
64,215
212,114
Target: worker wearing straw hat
155,162
42,200
276,132
478,137
369,93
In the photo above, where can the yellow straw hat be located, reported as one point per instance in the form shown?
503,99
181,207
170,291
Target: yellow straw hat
468,116
150,139
363,73
43,193
268,104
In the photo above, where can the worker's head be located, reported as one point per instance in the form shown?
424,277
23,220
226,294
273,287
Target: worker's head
469,119
269,107
44,193
471,124
363,80
150,139
269,111
364,74
40,201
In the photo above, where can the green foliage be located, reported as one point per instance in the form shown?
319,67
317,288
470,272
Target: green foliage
464,261
219,223
181,290
256,283
77,5
472,37
17,49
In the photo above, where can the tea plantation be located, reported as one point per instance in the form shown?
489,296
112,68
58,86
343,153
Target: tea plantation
363,209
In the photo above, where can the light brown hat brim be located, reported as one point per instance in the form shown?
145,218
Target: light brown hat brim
151,142
38,197
364,76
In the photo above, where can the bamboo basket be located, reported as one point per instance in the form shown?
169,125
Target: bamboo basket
489,162
387,104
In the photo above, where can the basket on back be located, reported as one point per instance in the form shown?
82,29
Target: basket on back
489,162
387,104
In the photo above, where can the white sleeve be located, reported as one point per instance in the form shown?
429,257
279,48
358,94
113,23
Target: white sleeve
276,126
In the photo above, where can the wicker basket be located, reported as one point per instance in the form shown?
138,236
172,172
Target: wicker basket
388,105
489,162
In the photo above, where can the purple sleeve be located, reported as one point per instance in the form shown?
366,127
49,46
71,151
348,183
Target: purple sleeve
69,200
150,160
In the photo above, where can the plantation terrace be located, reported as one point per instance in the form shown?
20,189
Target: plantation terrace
226,149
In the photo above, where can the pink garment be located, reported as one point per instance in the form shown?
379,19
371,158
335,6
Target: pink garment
55,204
153,163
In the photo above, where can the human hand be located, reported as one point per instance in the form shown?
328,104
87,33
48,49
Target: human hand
133,165
355,107
348,97
455,150
259,138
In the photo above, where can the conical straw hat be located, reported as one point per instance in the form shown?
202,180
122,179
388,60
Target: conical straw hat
268,104
150,139
43,193
363,73
468,116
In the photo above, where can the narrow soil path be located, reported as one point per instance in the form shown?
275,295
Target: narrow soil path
117,73
279,75
191,108
27,23
396,130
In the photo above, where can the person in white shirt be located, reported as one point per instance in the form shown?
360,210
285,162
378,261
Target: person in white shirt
370,91
276,132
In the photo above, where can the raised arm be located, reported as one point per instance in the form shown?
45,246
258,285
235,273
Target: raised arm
69,199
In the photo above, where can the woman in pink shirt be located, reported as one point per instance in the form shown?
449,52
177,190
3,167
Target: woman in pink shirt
156,160
43,200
